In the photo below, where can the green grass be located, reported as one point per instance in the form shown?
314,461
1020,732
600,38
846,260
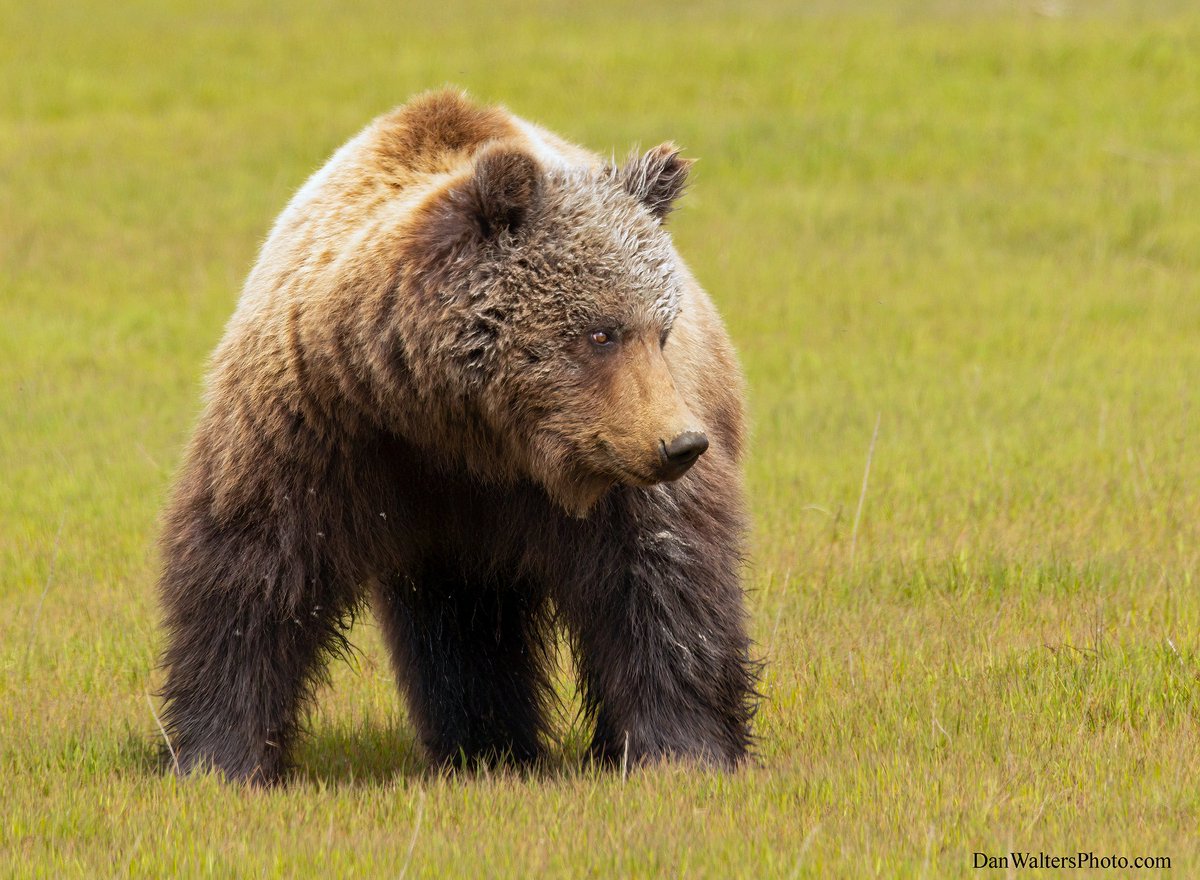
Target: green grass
977,223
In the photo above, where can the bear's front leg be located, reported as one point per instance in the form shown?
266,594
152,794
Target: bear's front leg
657,618
248,624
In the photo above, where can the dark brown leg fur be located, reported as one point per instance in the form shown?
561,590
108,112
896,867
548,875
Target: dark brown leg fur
469,655
657,620
248,627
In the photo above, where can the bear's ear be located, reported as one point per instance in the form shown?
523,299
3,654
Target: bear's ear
505,189
657,178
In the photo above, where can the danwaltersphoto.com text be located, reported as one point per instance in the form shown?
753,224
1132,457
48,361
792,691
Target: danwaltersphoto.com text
1075,860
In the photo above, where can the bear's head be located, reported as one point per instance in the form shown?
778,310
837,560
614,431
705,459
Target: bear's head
546,297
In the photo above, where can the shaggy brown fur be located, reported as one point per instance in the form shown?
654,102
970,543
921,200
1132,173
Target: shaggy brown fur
461,379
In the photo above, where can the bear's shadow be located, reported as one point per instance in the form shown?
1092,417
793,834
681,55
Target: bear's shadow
376,754
370,753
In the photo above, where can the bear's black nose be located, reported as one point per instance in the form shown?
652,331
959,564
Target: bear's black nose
682,452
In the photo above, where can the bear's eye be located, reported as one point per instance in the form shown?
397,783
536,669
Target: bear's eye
602,338
662,339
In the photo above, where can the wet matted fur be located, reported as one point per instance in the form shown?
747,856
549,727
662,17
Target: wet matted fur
449,386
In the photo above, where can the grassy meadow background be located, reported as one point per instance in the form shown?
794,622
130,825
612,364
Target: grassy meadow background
976,225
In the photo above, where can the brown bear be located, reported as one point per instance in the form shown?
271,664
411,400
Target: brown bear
470,378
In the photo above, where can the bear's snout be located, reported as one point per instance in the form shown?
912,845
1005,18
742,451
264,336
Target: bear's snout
678,455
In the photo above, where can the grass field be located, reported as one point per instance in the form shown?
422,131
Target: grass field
975,225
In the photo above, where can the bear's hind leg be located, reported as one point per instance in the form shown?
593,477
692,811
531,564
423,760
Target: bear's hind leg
470,656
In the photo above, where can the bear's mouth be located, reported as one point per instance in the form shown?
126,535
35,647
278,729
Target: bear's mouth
614,468
629,478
